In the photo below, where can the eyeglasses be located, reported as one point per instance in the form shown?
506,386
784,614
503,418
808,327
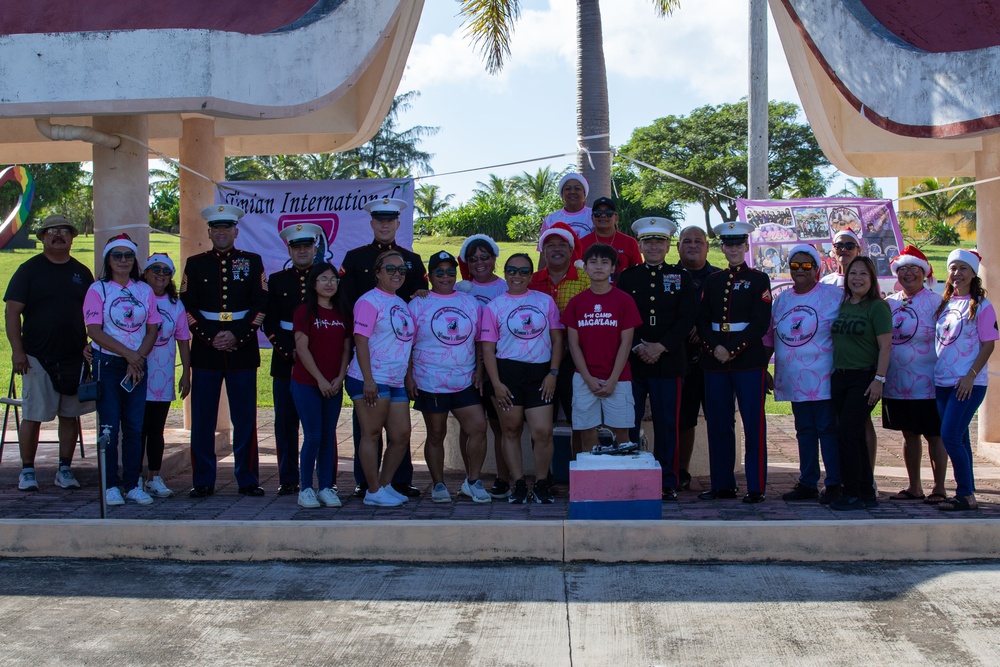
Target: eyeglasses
845,246
480,258
908,267
160,270
58,231
328,280
805,266
441,273
603,213
393,269
121,256
515,270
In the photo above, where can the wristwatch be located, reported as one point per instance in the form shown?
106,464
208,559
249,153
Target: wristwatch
554,371
880,378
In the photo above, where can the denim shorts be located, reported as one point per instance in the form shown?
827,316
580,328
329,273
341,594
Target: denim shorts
356,390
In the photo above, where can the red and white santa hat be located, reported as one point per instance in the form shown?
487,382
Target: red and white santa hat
564,230
463,262
911,256
573,176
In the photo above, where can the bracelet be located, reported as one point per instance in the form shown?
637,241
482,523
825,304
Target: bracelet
973,371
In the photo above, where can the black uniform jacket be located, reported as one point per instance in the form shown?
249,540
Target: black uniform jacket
224,291
358,271
286,291
737,301
667,302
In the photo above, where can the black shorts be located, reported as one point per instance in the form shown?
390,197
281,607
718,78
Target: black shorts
692,398
487,399
524,381
915,416
430,402
564,387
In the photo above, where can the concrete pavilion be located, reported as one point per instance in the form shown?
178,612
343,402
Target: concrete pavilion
906,89
197,81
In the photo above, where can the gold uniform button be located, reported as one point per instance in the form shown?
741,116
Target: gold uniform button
224,279
224,269
652,311
727,291
225,287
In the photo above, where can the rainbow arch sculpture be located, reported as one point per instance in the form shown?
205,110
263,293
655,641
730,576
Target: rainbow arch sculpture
19,216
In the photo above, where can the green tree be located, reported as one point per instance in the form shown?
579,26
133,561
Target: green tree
430,203
495,187
938,215
539,186
709,147
866,189
54,183
394,147
490,23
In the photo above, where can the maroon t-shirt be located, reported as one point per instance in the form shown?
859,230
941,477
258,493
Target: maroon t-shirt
599,320
326,332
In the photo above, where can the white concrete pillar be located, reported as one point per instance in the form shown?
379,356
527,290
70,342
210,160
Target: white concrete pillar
988,234
203,152
121,186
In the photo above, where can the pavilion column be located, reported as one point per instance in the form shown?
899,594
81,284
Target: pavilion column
988,234
121,186
203,152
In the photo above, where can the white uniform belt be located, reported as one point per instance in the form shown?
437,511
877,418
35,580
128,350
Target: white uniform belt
287,326
224,316
729,326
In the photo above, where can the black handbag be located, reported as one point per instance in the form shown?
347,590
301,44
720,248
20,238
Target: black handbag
90,387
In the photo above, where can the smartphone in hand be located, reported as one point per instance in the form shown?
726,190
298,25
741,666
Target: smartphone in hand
127,384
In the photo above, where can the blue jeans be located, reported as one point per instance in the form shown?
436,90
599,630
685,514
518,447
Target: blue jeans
286,431
319,434
241,389
665,405
956,416
121,411
816,422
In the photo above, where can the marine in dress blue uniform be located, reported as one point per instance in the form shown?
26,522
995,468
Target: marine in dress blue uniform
666,300
734,316
225,293
286,291
357,276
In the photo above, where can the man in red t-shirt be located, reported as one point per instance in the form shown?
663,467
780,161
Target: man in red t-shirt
605,217
599,323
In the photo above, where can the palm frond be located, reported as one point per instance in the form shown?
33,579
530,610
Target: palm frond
489,24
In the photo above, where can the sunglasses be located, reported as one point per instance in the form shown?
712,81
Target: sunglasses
845,246
121,256
515,270
441,273
805,266
161,270
393,269
603,213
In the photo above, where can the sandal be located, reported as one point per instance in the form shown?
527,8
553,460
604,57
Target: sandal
906,494
935,499
957,504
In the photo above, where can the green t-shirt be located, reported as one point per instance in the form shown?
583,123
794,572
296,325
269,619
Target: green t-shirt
855,345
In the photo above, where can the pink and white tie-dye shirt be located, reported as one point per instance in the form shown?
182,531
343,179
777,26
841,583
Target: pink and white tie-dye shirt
484,292
385,320
958,341
520,325
161,361
444,349
911,366
803,344
122,312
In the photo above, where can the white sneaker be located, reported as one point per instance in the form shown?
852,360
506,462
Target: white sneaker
395,494
26,480
475,491
439,494
381,498
113,496
307,498
137,495
65,478
156,487
329,498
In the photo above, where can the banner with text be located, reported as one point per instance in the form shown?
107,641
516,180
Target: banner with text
783,224
336,206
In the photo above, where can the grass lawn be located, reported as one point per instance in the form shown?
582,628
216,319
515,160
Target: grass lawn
83,250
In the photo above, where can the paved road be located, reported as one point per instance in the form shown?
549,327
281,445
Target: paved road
165,613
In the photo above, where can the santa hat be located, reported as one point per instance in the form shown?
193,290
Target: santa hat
809,250
970,257
565,231
911,256
121,241
463,263
574,177
849,233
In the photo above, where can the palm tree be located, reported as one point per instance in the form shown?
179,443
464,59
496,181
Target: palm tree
536,187
428,201
495,187
866,189
943,210
489,24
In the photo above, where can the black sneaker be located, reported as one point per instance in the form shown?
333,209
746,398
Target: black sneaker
801,492
844,504
542,492
520,494
684,483
830,494
669,494
500,489
360,490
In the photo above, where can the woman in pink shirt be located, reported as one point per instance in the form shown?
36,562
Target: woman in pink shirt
383,339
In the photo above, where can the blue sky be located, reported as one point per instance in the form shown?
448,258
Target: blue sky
656,67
